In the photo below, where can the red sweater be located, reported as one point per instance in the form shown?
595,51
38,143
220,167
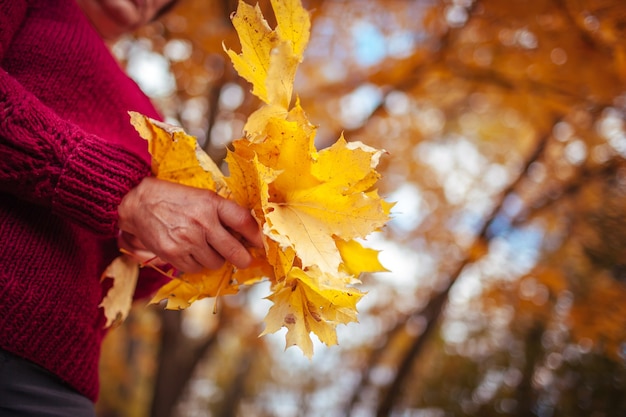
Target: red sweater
68,154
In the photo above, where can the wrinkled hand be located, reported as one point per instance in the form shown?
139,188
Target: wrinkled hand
187,227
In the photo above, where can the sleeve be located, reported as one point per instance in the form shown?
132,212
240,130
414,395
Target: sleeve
51,162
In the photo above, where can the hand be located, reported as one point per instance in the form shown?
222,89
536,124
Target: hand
134,247
188,227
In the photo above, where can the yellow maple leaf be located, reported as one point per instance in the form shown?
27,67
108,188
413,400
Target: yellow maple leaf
176,156
358,259
182,291
303,304
309,196
124,271
257,41
269,58
293,24
308,219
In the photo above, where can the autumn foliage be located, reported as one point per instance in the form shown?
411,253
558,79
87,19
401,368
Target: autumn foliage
505,135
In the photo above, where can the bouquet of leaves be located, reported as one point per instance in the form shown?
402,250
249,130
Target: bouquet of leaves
314,207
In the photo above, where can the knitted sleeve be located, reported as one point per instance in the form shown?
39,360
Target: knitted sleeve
52,162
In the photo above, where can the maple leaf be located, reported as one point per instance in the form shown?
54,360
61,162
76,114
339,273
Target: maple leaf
269,58
304,304
358,259
124,271
308,197
176,156
257,41
184,290
293,24
308,218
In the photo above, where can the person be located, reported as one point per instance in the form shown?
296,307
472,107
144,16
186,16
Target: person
74,182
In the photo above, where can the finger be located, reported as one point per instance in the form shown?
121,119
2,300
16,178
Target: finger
186,263
208,257
240,220
229,247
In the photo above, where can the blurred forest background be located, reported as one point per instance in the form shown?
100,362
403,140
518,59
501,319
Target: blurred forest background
505,126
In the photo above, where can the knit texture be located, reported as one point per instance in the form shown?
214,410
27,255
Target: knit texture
68,155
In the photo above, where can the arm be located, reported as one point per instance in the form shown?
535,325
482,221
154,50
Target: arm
81,177
51,162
